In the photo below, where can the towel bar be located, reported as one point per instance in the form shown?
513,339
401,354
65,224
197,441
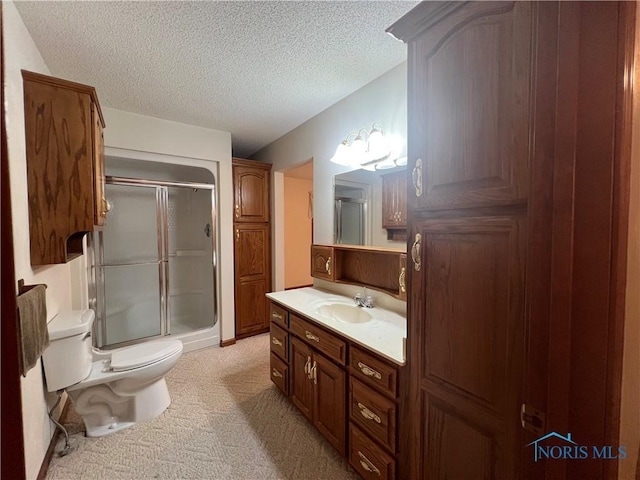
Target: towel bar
22,288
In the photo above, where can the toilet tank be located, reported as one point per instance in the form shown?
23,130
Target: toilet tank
67,360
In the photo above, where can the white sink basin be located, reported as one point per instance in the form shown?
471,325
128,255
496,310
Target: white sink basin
344,313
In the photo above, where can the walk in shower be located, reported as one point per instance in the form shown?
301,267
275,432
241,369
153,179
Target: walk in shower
155,260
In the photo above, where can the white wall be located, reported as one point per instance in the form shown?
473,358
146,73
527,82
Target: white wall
21,53
130,135
384,101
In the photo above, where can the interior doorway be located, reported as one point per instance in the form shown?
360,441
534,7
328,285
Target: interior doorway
298,225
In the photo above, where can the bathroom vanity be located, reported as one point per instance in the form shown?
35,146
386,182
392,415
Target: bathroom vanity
340,365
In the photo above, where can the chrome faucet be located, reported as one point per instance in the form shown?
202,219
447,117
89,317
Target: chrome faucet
363,300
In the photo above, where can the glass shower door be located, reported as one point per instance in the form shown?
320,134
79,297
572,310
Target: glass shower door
350,216
190,238
130,263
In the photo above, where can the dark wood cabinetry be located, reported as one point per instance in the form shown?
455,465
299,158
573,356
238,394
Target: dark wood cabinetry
65,166
322,262
508,158
347,392
394,205
383,269
329,385
252,246
251,182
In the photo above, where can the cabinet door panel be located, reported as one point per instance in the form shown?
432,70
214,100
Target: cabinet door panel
471,98
251,306
59,171
322,262
329,402
394,200
301,386
252,250
251,187
470,344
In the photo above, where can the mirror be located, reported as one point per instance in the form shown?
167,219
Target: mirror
358,209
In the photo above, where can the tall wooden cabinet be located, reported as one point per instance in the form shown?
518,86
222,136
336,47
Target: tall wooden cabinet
65,166
252,246
512,117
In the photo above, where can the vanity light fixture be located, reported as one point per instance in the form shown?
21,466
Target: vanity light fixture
367,146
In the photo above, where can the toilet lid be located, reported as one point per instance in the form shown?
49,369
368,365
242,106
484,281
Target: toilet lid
143,354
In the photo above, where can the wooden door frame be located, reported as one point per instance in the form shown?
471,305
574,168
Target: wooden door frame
12,437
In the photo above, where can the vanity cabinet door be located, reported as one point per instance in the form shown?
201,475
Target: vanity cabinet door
301,385
322,262
329,383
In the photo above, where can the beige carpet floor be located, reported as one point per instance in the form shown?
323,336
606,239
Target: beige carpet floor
226,421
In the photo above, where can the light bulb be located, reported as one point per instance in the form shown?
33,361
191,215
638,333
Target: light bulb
359,151
342,155
378,145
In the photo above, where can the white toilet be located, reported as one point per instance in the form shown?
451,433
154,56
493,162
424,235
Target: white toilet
113,389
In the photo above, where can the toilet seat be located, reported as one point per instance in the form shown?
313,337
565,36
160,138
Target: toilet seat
142,355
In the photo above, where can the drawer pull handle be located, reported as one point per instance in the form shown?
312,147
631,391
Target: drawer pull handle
367,465
275,341
314,373
327,266
277,315
276,373
311,336
401,280
237,211
368,414
368,371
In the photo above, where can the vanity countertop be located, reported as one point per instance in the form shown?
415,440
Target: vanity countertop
384,333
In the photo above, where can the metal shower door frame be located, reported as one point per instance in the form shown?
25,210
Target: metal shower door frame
98,302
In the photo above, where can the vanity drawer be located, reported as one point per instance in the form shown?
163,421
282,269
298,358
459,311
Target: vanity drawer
280,374
279,315
373,372
321,340
374,413
369,460
279,342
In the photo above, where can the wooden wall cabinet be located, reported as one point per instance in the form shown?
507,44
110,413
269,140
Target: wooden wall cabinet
346,391
394,205
322,262
252,246
251,182
379,268
65,166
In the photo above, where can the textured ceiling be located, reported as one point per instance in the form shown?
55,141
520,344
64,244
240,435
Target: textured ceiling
255,69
